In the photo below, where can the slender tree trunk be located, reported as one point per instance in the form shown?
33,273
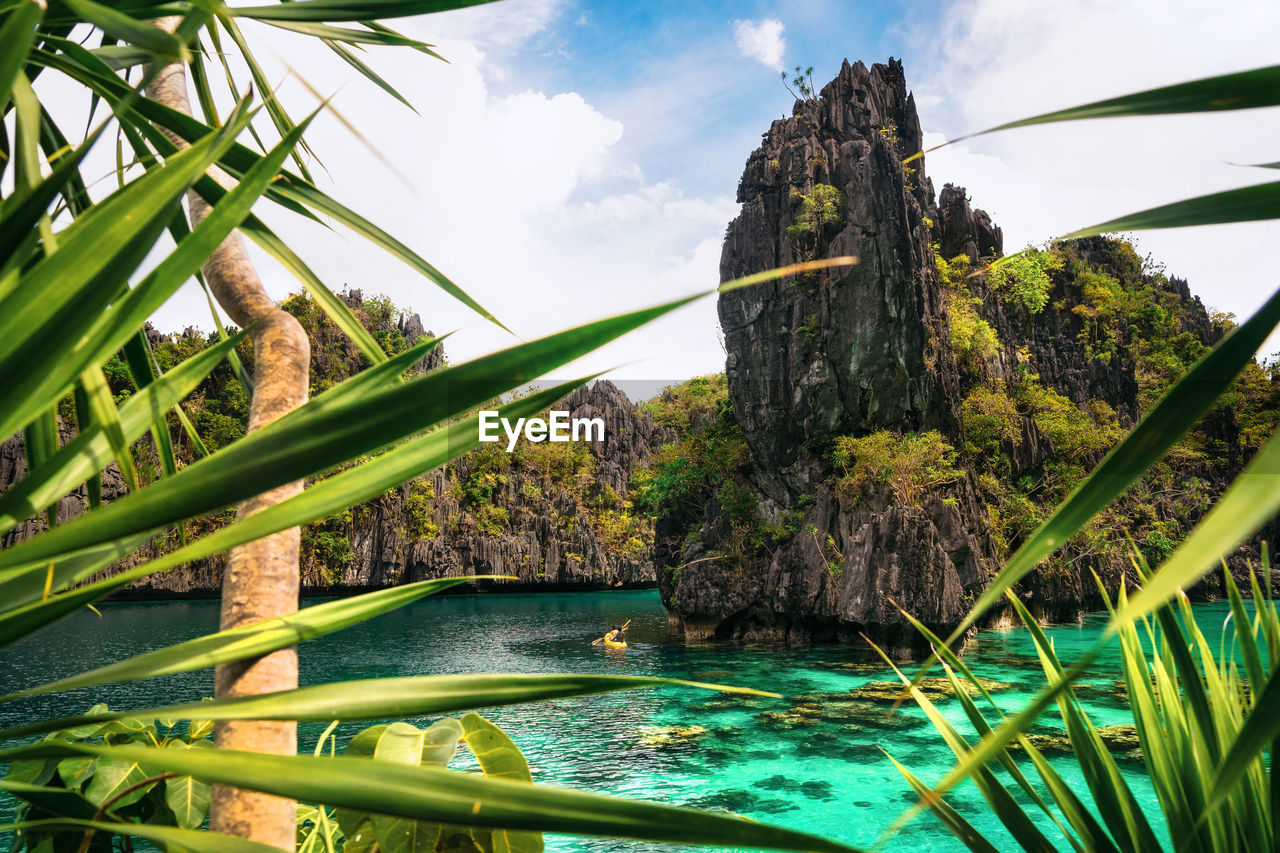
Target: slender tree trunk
261,578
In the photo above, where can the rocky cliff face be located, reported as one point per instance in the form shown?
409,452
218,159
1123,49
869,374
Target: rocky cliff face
491,513
841,352
885,347
554,516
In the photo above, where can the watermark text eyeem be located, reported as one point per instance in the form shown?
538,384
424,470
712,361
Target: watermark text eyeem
558,427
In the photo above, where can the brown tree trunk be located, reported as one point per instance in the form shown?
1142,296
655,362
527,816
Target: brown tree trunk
261,578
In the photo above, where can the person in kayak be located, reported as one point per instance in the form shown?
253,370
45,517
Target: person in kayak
615,634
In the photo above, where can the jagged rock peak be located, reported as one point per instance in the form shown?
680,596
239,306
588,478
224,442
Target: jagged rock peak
861,101
851,349
964,230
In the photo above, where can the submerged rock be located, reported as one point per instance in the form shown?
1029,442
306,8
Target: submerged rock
671,736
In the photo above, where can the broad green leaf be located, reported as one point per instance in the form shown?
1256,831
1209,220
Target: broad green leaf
1245,204
499,756
402,743
112,777
497,753
188,798
57,800
74,771
440,742
199,728
434,794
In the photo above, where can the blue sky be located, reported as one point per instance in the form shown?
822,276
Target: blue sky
680,63
578,159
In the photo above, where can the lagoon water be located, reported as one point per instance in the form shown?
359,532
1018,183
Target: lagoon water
830,777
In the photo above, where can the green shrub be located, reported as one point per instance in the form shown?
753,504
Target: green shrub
909,464
990,417
1024,279
818,208
1076,435
952,274
973,340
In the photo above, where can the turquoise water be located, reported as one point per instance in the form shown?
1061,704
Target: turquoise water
826,775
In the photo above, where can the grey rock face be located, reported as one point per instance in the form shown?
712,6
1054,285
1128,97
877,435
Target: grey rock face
547,542
844,351
848,349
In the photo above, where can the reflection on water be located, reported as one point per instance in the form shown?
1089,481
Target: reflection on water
814,761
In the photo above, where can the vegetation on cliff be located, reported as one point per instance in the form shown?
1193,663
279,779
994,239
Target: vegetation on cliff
487,492
1116,306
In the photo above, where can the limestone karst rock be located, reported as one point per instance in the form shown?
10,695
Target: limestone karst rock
851,351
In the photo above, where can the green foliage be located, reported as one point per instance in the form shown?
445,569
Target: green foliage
991,417
125,790
419,505
437,745
1024,278
380,312
326,547
72,253
1076,435
684,474
1206,725
973,340
909,464
952,274
1157,548
820,207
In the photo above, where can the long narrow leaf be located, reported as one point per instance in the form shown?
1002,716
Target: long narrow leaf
250,640
1246,204
435,794
380,698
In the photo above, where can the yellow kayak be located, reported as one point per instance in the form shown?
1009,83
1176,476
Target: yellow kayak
610,644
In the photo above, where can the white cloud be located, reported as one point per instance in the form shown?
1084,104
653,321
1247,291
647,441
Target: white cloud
996,60
523,199
761,40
